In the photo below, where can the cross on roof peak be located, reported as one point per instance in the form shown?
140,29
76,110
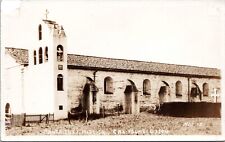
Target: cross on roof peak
46,14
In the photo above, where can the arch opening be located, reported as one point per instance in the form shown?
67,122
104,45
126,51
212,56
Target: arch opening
195,92
46,54
164,92
40,56
40,32
131,98
59,53
60,82
35,57
90,99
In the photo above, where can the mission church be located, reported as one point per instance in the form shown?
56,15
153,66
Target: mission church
47,79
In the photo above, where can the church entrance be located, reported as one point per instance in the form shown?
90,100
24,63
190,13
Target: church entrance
131,99
164,92
90,98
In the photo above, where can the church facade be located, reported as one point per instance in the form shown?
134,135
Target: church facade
49,80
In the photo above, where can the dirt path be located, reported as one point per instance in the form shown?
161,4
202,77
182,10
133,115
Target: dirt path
142,124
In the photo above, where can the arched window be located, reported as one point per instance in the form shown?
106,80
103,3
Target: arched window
146,87
35,57
59,53
60,82
178,89
205,89
8,113
7,108
40,56
40,32
46,54
108,85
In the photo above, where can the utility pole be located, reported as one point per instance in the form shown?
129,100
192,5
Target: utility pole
22,89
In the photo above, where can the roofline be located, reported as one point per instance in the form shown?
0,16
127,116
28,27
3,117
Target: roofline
143,61
16,48
126,59
70,66
141,72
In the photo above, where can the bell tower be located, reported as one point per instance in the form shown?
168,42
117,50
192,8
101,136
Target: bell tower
48,66
60,71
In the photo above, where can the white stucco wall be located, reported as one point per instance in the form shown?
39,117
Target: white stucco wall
12,81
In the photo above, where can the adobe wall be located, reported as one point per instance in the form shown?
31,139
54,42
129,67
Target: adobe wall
77,80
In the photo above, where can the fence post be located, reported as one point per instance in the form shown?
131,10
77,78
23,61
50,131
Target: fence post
69,117
103,113
12,120
86,116
24,120
46,118
40,118
118,109
49,117
129,110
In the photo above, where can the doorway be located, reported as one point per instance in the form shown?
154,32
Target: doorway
164,92
90,98
131,98
196,94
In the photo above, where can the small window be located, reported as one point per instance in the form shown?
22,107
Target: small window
46,54
60,107
59,53
205,89
35,57
40,56
60,67
40,32
60,82
178,89
108,85
146,87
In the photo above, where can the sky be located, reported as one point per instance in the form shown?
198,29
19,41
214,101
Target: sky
177,32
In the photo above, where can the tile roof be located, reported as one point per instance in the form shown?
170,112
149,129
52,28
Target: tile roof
109,64
91,62
20,55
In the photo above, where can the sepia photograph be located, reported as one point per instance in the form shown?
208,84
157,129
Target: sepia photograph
112,70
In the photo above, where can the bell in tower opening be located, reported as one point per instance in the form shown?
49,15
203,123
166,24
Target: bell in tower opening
59,53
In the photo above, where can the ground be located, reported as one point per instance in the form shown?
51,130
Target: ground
142,124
